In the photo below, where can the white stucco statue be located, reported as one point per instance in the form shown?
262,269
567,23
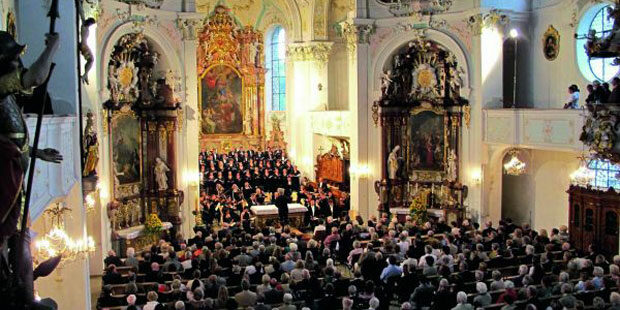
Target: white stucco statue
160,174
452,166
393,162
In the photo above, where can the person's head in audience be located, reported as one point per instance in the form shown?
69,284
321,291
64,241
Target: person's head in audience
222,295
374,303
131,288
179,305
615,82
430,261
461,298
598,303
131,299
151,296
287,299
481,288
614,299
131,252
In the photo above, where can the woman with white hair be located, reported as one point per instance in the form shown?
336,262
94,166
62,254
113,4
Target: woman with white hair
356,252
373,303
131,260
461,302
614,299
598,280
483,298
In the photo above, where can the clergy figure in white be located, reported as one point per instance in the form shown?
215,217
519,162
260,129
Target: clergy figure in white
160,174
393,162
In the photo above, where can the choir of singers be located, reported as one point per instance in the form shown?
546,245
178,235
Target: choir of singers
233,182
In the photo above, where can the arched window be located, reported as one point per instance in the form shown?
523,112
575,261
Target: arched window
596,19
276,69
606,174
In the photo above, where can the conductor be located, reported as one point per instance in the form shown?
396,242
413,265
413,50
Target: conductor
282,204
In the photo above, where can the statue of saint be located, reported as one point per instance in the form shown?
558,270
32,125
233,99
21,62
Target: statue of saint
160,174
14,160
91,147
393,162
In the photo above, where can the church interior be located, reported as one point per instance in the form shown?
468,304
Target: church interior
309,154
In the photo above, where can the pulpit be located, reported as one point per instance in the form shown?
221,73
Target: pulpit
593,219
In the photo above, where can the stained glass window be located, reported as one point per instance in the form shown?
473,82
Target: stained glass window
606,174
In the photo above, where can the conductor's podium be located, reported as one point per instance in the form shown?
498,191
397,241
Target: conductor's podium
269,213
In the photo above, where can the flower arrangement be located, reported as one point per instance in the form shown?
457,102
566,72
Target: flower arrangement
418,211
153,225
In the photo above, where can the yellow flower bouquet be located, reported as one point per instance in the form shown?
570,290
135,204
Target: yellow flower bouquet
153,225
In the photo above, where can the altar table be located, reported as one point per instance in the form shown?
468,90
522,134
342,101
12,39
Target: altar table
135,237
270,212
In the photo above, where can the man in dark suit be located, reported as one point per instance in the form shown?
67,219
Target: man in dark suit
282,204
322,185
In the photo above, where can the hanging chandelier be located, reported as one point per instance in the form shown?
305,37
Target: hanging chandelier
583,176
514,166
58,243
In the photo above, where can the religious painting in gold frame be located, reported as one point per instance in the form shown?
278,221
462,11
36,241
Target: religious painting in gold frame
427,138
224,44
125,153
220,93
551,43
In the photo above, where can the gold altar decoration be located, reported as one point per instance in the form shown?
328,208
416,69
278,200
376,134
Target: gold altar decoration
228,51
57,241
514,166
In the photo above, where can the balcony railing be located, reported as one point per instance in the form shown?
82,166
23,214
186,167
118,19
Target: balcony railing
551,129
52,181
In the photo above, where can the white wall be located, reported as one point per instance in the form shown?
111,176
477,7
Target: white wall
539,197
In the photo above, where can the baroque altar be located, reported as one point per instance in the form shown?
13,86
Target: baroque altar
421,114
142,119
231,82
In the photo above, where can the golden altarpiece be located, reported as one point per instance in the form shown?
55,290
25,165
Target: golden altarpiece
421,115
231,82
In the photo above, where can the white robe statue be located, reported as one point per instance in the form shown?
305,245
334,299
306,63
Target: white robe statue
393,162
160,174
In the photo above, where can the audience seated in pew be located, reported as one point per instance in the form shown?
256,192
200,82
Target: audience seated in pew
388,264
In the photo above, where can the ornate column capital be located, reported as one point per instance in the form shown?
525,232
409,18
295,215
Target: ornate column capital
317,51
354,34
494,18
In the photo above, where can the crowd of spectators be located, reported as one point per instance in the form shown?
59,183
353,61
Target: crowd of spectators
374,264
